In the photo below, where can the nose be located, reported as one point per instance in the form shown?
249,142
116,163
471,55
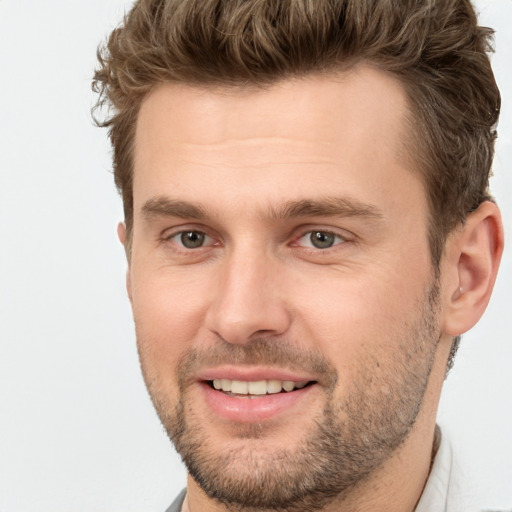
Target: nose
249,300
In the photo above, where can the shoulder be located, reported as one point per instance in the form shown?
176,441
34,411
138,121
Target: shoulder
178,502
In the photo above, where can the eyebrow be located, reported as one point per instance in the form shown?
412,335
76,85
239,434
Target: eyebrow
166,207
326,207
162,206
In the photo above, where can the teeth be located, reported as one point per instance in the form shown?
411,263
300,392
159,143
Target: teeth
288,385
260,387
225,385
274,386
239,387
257,388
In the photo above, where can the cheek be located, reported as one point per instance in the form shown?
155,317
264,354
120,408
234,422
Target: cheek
349,317
168,316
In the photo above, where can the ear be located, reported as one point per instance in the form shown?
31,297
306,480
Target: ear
121,234
472,258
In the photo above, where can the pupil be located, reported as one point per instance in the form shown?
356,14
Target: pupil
192,239
322,240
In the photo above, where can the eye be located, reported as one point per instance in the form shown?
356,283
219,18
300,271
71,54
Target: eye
191,239
320,239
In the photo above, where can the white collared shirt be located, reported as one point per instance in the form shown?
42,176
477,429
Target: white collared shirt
444,491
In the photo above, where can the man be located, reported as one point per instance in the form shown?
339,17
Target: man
309,231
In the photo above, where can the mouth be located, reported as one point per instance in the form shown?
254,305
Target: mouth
245,399
259,388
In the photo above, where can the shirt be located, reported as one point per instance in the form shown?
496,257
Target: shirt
443,491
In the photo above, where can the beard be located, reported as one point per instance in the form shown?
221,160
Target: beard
349,440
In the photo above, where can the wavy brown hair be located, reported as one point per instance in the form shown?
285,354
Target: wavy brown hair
434,47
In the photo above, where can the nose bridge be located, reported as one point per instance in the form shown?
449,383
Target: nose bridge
248,299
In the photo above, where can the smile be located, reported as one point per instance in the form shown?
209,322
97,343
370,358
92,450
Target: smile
256,388
254,400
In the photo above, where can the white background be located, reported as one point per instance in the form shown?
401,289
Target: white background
77,431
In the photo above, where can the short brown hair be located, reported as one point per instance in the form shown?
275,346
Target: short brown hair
434,47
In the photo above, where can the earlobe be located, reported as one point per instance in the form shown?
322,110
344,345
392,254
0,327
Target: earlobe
121,234
476,251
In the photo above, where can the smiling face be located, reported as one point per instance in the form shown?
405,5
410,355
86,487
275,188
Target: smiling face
286,309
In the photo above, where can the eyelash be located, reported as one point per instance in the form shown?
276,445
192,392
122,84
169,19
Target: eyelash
168,238
339,240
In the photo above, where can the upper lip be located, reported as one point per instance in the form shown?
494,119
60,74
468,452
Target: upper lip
253,374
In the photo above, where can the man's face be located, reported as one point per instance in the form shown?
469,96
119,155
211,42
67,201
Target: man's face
281,282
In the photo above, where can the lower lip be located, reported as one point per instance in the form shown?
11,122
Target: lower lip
255,409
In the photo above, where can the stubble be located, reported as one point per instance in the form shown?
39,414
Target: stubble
349,440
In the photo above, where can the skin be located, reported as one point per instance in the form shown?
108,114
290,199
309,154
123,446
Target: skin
243,156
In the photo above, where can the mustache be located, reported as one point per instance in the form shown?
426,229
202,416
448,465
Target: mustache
271,352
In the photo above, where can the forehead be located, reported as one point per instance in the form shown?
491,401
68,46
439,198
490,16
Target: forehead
347,128
363,98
